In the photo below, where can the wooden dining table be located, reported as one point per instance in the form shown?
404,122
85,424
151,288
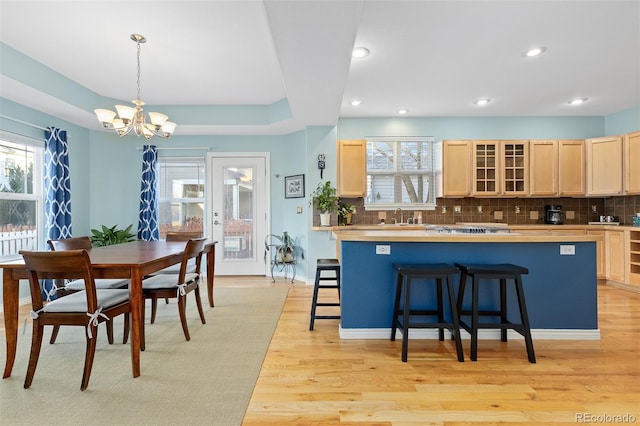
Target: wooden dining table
132,260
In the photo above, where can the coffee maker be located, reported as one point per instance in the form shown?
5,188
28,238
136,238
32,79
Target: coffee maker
553,214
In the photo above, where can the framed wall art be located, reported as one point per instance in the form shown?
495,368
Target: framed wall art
294,186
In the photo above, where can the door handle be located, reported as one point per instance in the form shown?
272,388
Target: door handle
216,223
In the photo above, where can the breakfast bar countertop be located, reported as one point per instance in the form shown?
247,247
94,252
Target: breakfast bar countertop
416,235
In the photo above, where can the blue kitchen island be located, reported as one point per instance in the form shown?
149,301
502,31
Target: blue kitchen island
560,289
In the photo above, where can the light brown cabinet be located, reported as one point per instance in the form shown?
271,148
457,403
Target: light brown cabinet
615,255
500,168
633,260
604,166
556,168
543,168
600,252
485,178
514,163
631,145
571,168
456,170
351,170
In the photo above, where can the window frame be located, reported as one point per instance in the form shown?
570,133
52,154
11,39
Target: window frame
37,147
196,162
433,173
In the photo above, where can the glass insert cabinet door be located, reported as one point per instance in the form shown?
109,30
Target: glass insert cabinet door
485,172
237,215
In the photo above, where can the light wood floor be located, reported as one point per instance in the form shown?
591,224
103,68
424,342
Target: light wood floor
314,378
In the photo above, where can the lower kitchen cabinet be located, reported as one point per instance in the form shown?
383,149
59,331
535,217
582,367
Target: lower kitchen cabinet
633,260
600,252
615,255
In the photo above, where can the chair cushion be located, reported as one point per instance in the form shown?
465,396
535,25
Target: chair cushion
77,302
175,269
100,283
165,281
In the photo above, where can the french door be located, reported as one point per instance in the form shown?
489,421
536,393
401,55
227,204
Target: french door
239,211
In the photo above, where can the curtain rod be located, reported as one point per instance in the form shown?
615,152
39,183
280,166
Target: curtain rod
206,148
23,122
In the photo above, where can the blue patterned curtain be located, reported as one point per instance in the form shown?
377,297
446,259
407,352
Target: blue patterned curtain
148,222
57,190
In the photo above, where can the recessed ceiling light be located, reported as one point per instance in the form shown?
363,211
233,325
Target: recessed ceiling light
403,111
577,101
535,51
356,102
360,52
482,102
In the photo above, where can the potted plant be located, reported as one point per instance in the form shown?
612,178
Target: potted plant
346,211
285,254
326,201
111,236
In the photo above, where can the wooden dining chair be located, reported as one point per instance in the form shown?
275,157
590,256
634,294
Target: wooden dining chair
65,288
86,308
177,286
175,269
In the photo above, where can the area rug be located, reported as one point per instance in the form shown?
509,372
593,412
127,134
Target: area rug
208,380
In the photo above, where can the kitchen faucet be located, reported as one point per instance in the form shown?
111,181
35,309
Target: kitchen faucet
396,218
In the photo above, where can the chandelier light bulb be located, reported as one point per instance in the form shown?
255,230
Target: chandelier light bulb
360,52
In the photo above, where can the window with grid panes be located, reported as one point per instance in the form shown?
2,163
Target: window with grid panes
21,202
401,171
181,194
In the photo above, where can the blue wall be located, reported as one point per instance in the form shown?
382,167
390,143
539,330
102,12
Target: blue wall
474,128
561,291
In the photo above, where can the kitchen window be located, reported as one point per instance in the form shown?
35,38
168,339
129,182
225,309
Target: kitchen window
181,196
401,171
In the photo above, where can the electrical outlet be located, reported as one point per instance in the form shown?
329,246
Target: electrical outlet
567,250
383,249
457,209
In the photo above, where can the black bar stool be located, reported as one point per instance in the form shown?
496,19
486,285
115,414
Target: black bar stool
502,272
325,265
405,273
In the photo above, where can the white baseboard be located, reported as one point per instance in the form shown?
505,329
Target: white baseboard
541,334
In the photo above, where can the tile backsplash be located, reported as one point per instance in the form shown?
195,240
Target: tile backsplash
515,211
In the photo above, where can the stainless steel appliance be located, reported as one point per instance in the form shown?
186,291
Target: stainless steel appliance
553,214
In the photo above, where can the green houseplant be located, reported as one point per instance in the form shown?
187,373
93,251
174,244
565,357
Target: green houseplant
325,198
110,236
346,210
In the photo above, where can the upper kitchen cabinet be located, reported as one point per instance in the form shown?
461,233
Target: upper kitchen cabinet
604,166
571,168
486,169
631,145
456,170
500,168
515,167
543,168
556,168
352,171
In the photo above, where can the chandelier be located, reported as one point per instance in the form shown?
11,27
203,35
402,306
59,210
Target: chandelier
133,118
